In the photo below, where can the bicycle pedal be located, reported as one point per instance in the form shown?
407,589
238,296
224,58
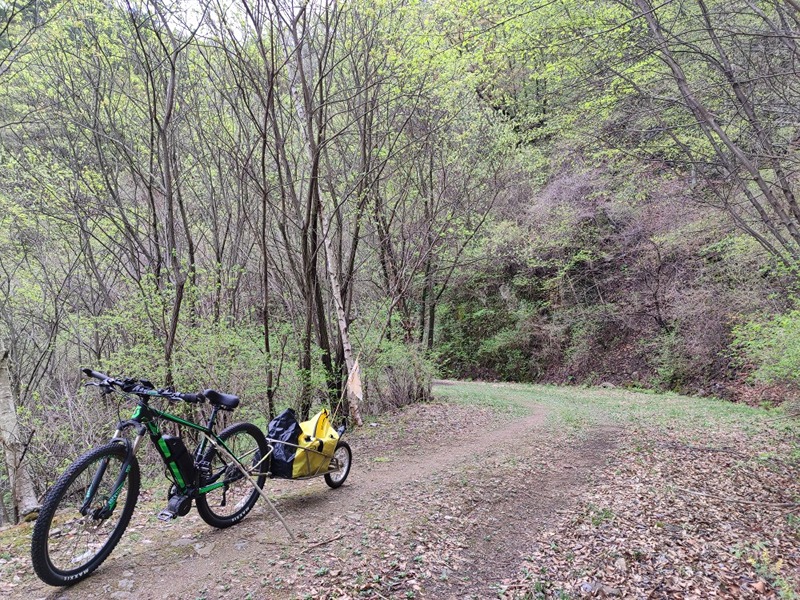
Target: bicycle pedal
166,515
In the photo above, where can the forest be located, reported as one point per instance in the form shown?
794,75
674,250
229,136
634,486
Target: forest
252,195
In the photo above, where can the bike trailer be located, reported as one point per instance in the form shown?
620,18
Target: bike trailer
301,449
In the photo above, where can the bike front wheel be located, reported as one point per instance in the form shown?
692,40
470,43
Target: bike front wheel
234,495
84,515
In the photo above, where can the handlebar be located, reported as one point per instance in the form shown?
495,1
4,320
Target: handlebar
140,387
96,374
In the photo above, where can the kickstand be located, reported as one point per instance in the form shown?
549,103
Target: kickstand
252,480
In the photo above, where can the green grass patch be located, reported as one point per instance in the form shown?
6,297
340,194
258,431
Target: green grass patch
582,408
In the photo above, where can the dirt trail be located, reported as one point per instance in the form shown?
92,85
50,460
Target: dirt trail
442,502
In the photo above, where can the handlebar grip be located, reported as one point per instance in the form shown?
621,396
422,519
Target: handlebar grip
95,374
176,396
191,398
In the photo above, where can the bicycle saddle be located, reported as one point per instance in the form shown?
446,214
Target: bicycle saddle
227,401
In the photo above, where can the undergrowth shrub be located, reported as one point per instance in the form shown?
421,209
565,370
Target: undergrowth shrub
669,359
772,346
395,375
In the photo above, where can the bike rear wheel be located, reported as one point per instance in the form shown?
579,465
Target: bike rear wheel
230,502
68,543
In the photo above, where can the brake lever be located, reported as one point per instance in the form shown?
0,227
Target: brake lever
105,389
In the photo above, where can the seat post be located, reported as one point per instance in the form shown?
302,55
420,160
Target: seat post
213,417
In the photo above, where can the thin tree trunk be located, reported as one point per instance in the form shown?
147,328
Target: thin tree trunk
313,129
270,374
22,493
336,291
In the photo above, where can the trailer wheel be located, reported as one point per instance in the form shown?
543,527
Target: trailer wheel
342,456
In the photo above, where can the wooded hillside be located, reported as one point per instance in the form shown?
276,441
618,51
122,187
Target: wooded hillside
227,195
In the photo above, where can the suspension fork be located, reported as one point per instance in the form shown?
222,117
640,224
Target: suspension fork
130,453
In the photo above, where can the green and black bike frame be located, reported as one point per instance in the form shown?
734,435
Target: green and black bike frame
144,421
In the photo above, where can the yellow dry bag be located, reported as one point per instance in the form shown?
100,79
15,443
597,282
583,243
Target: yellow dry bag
317,444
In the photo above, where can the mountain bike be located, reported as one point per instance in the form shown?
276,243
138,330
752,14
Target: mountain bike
85,513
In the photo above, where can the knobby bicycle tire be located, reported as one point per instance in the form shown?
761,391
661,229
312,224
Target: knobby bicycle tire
67,546
229,504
